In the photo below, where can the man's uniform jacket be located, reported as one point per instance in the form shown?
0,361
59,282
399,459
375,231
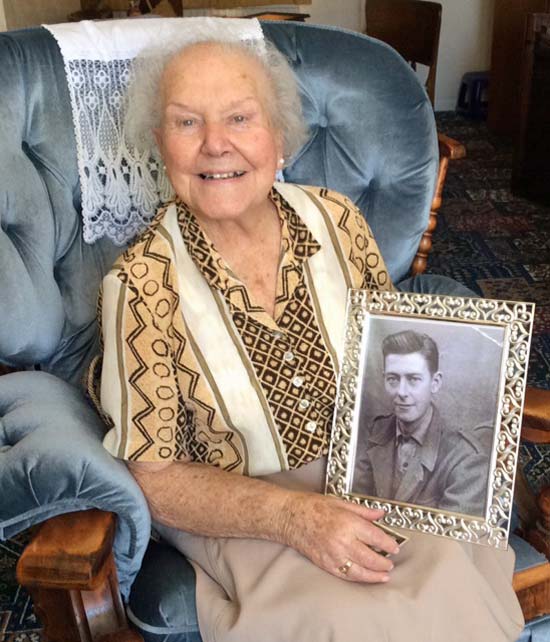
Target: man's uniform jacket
449,471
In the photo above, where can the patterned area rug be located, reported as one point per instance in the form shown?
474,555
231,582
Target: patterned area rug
499,246
488,239
17,620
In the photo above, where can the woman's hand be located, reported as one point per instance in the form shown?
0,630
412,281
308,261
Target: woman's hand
332,533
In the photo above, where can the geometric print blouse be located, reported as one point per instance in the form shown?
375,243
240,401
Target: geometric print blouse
193,369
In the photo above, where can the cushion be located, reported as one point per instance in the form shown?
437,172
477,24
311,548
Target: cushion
162,602
52,461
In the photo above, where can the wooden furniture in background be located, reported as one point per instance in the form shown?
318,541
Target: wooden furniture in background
279,15
412,28
508,38
531,166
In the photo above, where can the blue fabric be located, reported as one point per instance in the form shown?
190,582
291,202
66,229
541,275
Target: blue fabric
538,630
52,461
373,134
526,555
372,137
48,274
162,603
434,284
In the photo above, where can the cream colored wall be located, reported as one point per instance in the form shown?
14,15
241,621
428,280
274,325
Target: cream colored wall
465,41
343,13
27,13
3,26
465,45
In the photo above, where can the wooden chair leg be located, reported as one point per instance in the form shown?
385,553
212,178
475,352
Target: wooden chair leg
449,149
69,570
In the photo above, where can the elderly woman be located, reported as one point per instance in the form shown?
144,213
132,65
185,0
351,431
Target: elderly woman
221,331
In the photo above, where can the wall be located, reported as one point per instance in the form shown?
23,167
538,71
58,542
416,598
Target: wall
26,13
465,41
16,14
345,13
465,45
3,26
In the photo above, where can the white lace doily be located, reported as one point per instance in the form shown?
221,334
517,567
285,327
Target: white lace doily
121,185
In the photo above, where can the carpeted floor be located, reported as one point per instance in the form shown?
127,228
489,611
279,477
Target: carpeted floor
490,240
17,620
493,242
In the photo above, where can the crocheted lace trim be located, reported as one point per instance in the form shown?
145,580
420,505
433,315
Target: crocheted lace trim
122,185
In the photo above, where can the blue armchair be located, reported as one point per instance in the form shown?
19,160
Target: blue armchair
372,137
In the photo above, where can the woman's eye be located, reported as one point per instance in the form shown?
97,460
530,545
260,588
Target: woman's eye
185,122
239,118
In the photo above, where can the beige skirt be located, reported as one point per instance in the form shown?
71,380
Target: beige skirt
252,590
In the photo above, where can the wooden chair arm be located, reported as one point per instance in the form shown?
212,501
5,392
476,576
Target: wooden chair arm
535,428
536,416
69,570
450,148
69,551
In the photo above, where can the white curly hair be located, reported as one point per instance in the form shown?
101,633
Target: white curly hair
144,98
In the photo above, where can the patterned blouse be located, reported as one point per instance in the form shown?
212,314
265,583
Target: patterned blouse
193,368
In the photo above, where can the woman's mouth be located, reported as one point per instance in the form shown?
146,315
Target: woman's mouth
221,175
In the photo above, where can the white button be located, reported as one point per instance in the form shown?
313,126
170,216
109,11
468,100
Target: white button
289,356
298,382
311,426
304,403
277,335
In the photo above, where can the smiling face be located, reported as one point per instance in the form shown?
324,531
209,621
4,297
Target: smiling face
216,138
410,385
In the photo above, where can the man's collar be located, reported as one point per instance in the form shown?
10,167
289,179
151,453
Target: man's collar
417,433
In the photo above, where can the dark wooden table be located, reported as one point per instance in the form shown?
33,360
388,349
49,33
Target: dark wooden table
279,15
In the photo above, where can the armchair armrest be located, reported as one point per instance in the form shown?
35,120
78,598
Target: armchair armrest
536,416
69,551
52,462
69,570
449,149
536,428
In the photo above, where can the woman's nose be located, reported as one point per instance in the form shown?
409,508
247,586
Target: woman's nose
215,141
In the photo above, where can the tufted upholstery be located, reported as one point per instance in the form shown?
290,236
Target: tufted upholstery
49,275
373,133
365,142
372,138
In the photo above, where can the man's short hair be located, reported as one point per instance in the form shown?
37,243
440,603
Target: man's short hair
409,341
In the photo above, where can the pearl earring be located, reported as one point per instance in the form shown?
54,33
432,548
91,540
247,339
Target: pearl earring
281,161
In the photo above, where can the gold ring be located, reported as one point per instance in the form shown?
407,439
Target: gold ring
345,567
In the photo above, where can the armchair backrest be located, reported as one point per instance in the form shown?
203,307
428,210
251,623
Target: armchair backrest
372,138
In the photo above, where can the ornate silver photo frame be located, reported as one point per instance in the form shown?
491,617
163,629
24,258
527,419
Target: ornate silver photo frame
428,412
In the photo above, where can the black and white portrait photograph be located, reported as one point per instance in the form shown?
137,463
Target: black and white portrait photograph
427,413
